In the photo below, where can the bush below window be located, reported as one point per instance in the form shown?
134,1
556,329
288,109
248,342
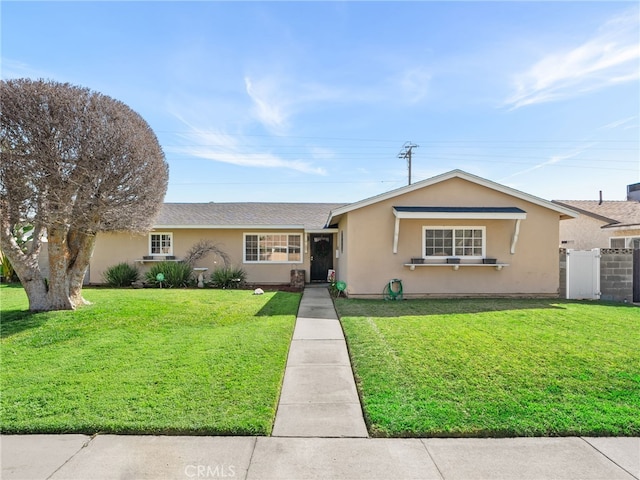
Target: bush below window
121,275
176,274
228,277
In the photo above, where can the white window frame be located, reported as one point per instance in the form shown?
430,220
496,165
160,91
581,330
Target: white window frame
170,235
271,262
453,236
628,241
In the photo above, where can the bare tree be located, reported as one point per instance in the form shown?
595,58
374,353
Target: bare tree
203,248
73,162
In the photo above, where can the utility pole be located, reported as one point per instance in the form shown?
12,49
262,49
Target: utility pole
406,152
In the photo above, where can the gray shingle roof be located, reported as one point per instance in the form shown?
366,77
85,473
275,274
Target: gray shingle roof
616,213
310,215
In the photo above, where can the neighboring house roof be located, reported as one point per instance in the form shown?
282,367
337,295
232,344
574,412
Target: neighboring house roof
310,216
565,212
614,214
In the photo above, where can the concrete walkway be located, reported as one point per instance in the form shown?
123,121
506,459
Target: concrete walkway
318,402
122,457
319,396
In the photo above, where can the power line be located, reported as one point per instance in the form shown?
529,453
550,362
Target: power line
431,142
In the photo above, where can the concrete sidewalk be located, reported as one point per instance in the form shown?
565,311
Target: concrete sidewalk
81,457
318,403
319,396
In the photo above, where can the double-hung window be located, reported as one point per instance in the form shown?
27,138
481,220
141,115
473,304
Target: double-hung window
272,248
454,242
161,243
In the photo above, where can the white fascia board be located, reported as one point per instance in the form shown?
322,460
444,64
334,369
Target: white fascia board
462,215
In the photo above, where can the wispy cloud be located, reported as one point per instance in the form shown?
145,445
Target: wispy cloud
618,123
609,58
17,69
276,99
270,106
552,161
414,84
220,147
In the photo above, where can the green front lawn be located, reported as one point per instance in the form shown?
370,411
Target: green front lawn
492,367
146,361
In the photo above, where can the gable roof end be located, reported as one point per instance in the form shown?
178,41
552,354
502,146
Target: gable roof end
564,212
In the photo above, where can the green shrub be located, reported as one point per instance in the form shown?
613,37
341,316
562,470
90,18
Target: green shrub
176,274
228,277
121,275
7,269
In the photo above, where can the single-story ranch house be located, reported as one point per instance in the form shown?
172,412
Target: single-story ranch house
455,234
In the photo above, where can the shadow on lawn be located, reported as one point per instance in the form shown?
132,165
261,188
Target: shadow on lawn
282,303
16,321
445,306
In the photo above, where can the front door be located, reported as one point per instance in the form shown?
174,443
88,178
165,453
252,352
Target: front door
321,256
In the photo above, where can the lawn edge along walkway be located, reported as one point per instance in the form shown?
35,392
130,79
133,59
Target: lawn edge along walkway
319,396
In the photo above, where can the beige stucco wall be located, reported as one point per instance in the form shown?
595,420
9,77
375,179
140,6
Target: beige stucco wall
370,262
583,233
113,248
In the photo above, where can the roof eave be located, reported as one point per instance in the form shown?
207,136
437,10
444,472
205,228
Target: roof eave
582,211
231,227
622,226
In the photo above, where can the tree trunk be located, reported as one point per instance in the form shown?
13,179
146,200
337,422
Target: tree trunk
58,261
81,247
69,255
36,290
27,269
34,284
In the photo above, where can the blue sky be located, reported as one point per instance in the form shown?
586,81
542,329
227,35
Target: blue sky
313,101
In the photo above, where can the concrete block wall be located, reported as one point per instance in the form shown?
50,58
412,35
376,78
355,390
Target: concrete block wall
616,274
562,291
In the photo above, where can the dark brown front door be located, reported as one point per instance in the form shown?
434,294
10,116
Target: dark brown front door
321,256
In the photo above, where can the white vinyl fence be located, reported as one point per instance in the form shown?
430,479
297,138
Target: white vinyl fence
583,274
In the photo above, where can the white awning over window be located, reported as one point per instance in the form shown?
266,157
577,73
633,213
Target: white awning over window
460,213
449,213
